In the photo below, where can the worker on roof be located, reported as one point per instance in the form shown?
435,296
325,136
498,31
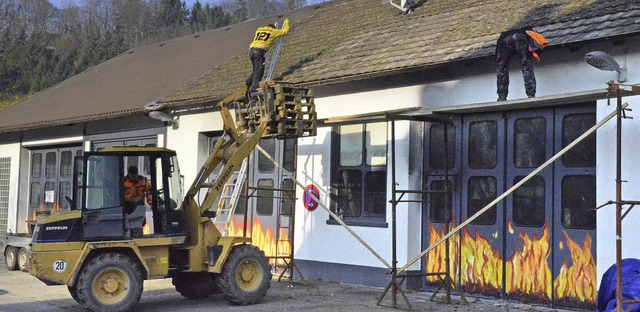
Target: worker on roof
262,42
525,43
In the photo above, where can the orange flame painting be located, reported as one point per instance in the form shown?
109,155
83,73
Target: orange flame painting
527,274
264,239
578,282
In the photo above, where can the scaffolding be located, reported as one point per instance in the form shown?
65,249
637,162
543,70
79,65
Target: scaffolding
618,89
397,275
397,195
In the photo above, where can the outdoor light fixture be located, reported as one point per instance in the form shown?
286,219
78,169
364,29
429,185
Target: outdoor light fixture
173,121
604,61
153,108
405,5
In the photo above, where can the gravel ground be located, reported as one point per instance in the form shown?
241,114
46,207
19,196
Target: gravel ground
20,291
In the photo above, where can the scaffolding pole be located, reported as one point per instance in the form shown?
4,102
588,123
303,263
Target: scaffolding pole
618,88
516,186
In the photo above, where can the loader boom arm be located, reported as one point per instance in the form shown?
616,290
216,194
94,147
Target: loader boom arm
280,110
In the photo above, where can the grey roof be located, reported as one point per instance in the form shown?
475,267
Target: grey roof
335,41
124,84
357,39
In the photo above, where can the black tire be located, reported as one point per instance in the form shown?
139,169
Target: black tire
109,282
246,275
23,265
195,285
74,293
11,258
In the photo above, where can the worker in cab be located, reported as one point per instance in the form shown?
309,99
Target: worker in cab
262,42
526,44
136,187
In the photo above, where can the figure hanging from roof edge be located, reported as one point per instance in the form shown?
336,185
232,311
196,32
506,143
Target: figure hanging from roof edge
525,43
262,42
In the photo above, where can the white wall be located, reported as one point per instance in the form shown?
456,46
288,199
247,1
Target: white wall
312,232
13,151
606,185
560,72
185,141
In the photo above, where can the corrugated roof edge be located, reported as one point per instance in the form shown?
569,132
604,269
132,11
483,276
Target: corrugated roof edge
69,121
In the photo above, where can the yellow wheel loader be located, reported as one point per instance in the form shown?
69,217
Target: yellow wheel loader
109,244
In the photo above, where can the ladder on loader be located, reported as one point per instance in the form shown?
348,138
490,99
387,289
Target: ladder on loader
291,113
227,204
273,57
229,198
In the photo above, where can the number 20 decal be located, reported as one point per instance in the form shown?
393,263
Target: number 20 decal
59,266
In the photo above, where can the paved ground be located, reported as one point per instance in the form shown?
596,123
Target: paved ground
20,291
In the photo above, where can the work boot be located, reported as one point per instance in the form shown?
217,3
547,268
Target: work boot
502,98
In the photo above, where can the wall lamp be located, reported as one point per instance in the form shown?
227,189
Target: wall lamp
154,112
604,61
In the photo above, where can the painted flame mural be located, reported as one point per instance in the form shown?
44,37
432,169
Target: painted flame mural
264,239
527,273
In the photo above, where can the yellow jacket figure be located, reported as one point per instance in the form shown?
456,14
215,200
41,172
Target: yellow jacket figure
262,42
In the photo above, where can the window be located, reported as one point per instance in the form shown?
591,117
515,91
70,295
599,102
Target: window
530,142
50,165
265,197
287,197
103,182
34,198
66,159
36,165
483,145
436,138
265,165
583,154
482,190
529,202
65,190
439,212
359,173
579,202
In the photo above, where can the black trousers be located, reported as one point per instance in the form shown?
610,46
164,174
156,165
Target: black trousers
257,57
516,44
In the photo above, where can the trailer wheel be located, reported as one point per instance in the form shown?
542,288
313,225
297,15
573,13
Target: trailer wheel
195,285
246,275
22,260
109,282
11,258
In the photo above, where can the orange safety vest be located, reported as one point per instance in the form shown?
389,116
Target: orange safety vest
135,190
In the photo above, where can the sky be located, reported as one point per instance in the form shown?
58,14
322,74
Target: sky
65,3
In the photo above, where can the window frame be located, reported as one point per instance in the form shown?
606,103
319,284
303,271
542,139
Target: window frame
367,216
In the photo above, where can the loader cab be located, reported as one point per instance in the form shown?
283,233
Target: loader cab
116,206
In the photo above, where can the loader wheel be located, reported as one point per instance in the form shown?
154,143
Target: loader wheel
11,258
22,260
73,291
246,275
195,285
109,282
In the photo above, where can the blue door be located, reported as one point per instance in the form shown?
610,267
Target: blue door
574,235
527,273
482,241
439,213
